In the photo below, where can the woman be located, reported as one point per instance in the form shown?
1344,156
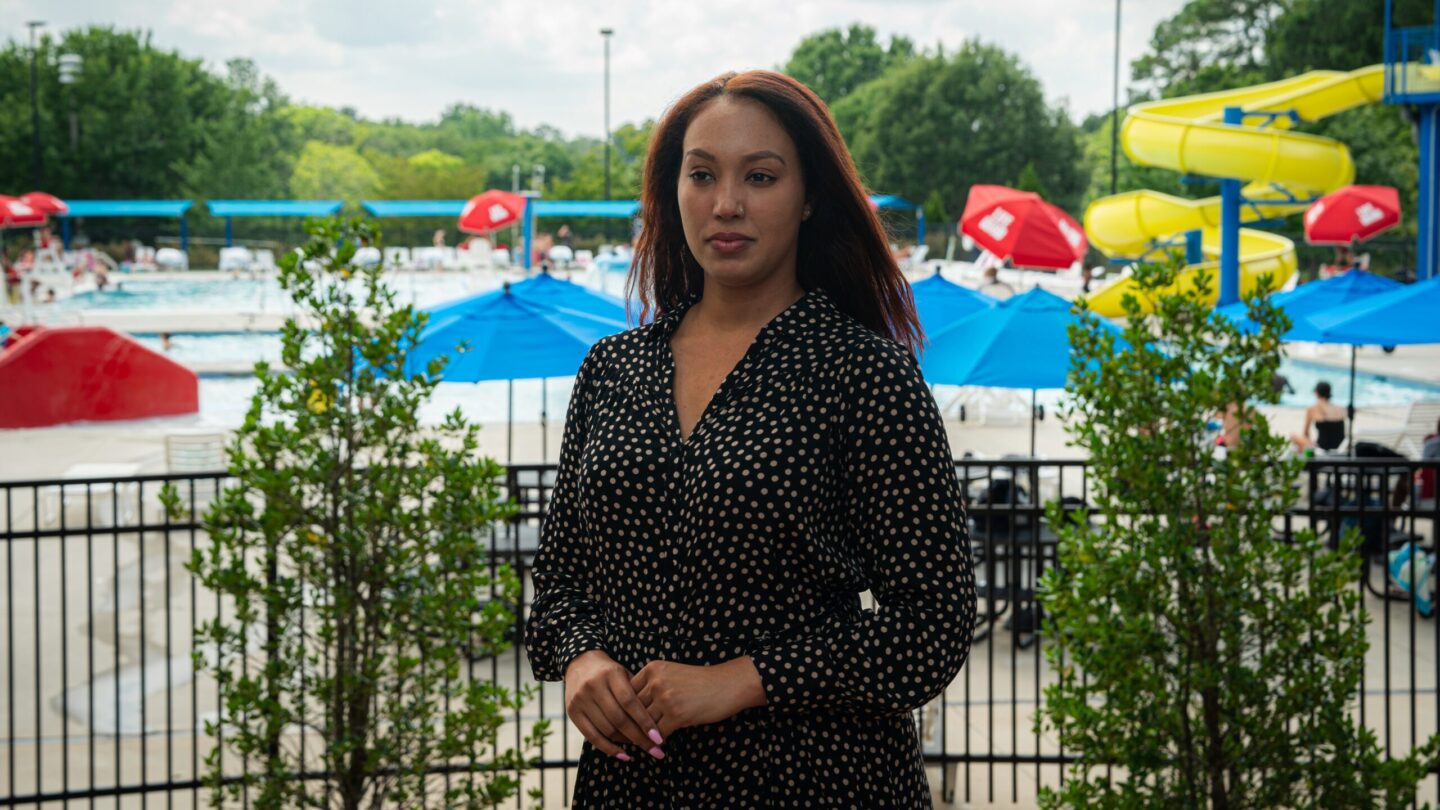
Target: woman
734,474
1327,418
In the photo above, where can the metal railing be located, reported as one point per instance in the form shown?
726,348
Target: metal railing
99,699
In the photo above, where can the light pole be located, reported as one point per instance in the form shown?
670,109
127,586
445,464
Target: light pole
69,74
514,187
606,33
34,102
1115,105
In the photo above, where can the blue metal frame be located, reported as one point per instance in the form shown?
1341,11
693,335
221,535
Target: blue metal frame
1400,45
1230,202
79,209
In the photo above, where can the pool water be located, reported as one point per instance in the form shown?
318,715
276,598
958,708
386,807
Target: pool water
1370,389
250,295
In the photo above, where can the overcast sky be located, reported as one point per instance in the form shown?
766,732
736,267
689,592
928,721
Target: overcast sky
543,60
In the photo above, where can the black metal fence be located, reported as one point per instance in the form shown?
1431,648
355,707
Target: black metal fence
100,702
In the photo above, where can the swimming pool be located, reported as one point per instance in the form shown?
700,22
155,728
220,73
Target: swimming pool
248,295
1370,389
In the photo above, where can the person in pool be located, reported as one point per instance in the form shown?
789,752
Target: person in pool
1328,420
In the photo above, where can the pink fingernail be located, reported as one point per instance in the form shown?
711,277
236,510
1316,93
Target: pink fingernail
657,753
622,756
655,735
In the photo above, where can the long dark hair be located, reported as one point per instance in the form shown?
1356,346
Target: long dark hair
843,246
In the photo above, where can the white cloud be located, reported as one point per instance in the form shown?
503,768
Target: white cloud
542,60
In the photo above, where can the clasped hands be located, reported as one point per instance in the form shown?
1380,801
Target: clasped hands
611,707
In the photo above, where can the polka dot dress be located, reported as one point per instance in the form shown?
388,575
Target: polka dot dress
819,470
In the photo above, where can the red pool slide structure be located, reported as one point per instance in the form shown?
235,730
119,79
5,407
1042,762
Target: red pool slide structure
56,375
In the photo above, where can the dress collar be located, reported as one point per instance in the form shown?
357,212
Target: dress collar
790,321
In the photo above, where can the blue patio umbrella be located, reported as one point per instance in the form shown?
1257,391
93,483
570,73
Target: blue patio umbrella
543,289
1353,286
941,303
1407,315
1022,342
505,336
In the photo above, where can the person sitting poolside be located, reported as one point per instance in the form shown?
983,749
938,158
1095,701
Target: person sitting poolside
992,286
1328,419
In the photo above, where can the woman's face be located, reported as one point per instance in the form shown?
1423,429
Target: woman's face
742,196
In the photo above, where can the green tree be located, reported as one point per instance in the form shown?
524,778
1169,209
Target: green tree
142,116
1208,44
333,172
835,61
350,548
247,144
321,124
1029,180
1210,665
939,123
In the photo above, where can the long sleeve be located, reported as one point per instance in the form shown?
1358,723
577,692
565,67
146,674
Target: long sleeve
904,512
565,620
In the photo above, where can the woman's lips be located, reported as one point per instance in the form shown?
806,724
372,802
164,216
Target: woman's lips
730,245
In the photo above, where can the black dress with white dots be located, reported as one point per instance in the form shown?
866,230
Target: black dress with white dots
819,470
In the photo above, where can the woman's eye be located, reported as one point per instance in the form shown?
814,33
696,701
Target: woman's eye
699,175
763,176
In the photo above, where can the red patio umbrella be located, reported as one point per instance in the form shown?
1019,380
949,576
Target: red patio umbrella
16,213
45,203
491,210
1352,213
1021,226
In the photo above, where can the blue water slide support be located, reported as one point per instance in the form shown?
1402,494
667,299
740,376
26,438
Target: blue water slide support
920,226
1230,228
229,233
529,230
1428,216
1194,252
65,231
184,234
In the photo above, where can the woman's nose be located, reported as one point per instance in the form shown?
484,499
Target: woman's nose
728,203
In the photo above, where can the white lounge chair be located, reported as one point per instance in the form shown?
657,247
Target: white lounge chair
265,261
196,451
427,258
236,259
501,257
169,258
562,256
1420,421
583,258
397,258
367,256
916,258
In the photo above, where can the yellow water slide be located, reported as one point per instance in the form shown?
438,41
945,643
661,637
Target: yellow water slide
1187,134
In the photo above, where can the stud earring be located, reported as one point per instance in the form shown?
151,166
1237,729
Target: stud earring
806,213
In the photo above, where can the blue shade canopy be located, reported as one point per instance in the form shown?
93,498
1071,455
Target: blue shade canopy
1352,287
542,289
127,208
509,338
1408,315
1022,342
273,208
585,208
941,303
892,201
413,208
